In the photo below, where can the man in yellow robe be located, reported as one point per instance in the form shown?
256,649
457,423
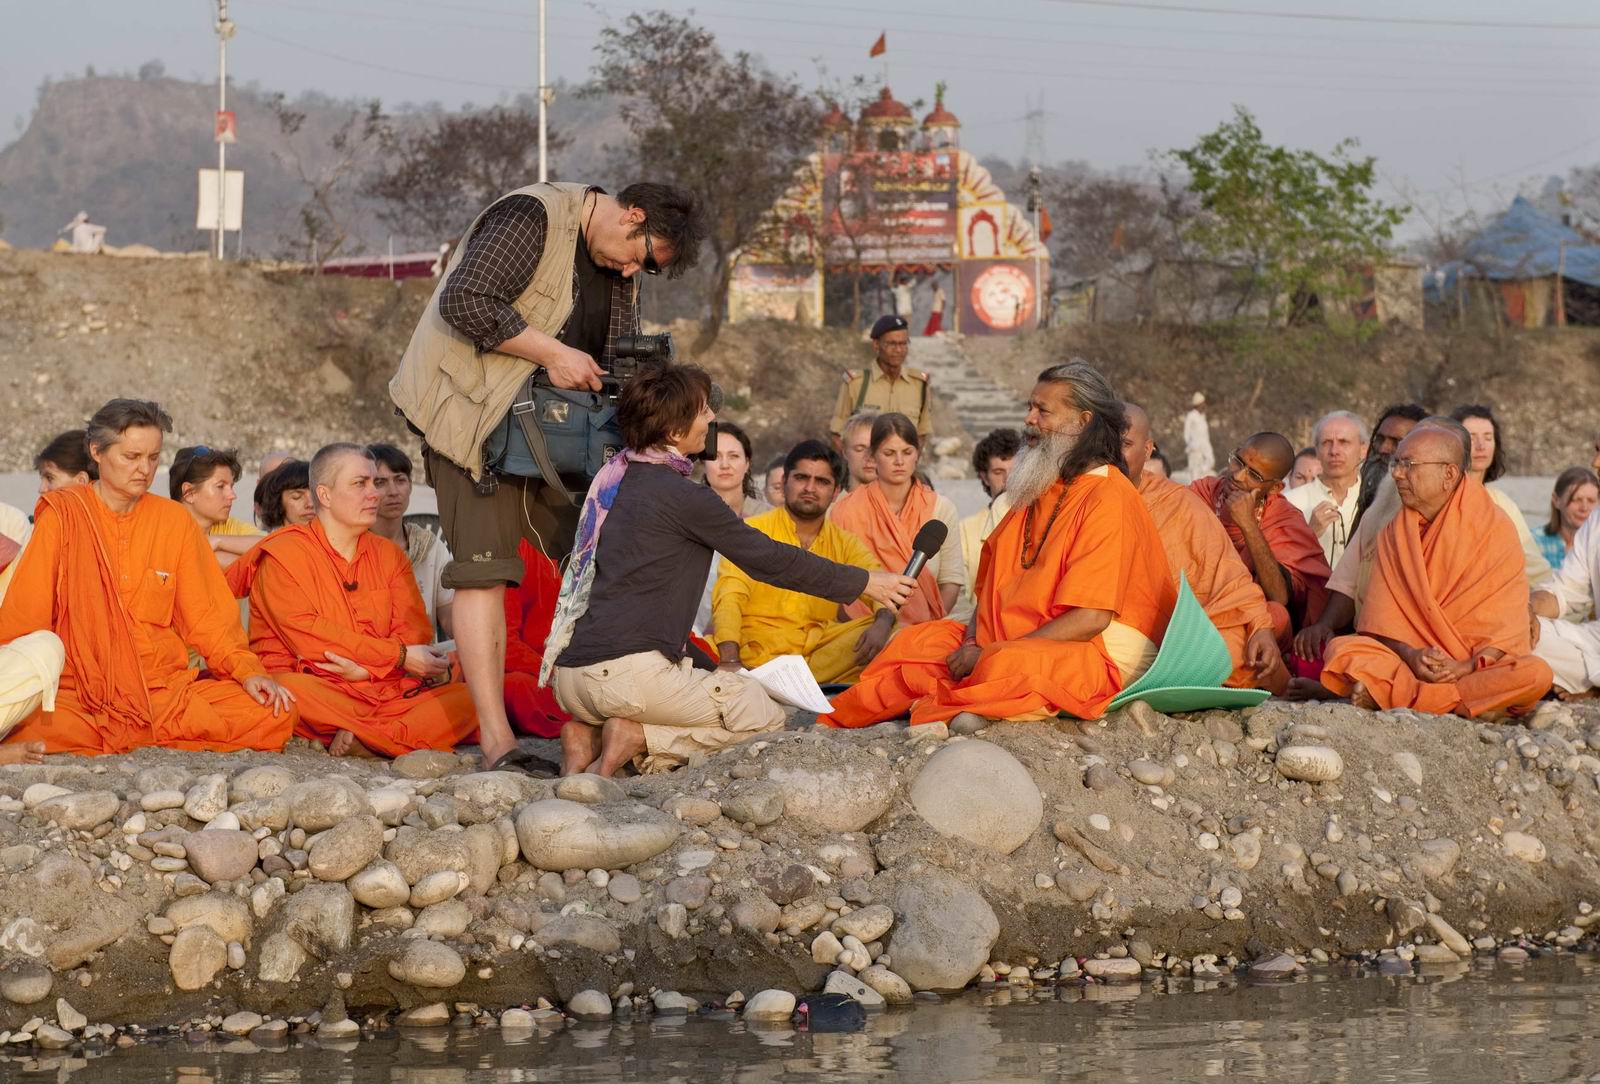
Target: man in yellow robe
754,622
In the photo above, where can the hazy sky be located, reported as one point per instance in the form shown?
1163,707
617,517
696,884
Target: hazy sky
1442,106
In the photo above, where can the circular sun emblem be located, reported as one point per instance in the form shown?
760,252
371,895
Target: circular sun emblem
1002,296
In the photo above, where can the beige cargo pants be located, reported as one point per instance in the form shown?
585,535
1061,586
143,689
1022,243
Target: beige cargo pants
684,711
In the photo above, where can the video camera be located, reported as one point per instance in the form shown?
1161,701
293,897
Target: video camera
633,351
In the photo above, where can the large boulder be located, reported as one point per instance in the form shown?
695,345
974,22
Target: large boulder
556,834
83,811
977,791
833,787
220,854
419,853
321,803
346,849
321,918
942,933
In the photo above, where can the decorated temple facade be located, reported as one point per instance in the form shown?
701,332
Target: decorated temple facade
889,198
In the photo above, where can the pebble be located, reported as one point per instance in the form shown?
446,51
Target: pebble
380,885
436,1015
591,1005
1230,897
207,798
158,800
26,983
1448,936
51,1037
425,764
1309,763
891,987
1118,970
428,964
842,982
198,955
346,849
437,887
1148,772
83,811
1524,846
37,793
339,1029
1409,766
68,1017
770,1005
242,1023
1208,841
220,855
624,888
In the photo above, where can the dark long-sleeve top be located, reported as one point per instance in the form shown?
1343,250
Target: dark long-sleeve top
654,554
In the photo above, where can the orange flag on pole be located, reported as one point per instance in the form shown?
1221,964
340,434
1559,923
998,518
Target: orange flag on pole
1045,228
880,46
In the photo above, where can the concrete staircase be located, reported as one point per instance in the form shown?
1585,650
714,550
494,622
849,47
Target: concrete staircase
979,403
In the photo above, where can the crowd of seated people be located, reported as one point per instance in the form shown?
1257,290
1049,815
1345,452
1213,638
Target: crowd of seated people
1381,564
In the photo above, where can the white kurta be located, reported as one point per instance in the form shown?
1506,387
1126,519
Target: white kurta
1573,648
1336,535
1197,445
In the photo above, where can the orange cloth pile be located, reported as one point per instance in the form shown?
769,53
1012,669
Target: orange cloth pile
1199,547
1455,584
126,593
530,608
1101,553
307,600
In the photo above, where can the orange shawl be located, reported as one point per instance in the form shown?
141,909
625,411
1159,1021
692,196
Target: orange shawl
306,600
1455,584
1293,544
865,513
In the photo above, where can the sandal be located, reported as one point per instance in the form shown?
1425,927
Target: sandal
521,760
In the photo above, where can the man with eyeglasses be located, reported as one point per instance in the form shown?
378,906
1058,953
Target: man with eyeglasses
1269,533
1329,500
546,277
1444,628
887,386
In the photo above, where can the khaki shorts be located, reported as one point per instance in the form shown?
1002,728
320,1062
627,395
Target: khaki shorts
684,711
484,529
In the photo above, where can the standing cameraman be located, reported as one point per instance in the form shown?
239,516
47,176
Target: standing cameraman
543,278
617,649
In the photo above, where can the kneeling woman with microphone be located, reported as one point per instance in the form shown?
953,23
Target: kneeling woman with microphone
618,645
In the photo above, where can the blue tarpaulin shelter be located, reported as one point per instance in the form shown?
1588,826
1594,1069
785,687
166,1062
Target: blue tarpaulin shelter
1525,243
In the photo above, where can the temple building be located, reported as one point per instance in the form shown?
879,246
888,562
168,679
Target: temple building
887,201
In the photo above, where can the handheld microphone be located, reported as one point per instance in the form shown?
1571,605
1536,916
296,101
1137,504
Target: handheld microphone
928,542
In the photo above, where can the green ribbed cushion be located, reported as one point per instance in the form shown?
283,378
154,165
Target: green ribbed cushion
1190,666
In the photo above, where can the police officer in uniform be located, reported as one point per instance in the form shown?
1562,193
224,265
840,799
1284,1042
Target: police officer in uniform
887,385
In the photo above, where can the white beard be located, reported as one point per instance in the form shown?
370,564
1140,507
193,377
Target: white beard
1038,467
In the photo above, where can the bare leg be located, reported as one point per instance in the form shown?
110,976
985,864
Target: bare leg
1361,698
580,746
346,744
479,618
22,752
1586,694
620,741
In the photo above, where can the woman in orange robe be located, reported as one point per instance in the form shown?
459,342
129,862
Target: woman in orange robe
126,579
350,636
887,513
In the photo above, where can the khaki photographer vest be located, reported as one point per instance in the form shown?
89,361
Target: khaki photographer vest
445,386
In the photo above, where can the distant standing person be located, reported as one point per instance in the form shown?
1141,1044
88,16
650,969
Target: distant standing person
902,298
1197,439
887,386
936,318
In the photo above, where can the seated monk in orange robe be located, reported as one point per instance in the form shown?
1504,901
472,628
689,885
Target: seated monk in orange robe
336,615
530,608
1197,546
1073,589
125,579
1444,626
1270,534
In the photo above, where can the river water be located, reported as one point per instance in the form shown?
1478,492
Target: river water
1485,1021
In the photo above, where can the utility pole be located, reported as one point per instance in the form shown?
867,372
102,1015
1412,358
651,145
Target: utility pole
225,29
1035,205
544,98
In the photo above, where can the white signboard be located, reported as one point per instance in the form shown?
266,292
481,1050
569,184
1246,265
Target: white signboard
233,209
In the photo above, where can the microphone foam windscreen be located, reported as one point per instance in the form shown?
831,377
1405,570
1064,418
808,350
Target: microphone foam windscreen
931,538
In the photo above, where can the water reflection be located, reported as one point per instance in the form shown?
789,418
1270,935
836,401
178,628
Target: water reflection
1482,1021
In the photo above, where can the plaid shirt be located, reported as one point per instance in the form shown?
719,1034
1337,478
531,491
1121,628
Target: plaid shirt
500,259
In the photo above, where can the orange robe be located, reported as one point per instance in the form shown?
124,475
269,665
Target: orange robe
306,600
1102,553
1455,584
865,513
1198,546
1295,547
126,593
530,608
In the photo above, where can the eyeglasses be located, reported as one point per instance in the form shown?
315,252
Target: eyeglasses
1403,466
1240,465
650,266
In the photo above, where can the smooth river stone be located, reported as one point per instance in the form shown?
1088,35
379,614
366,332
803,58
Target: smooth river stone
346,849
1310,763
380,885
428,964
976,791
556,834
83,811
220,855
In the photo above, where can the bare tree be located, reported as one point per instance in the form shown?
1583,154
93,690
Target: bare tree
721,126
451,165
331,185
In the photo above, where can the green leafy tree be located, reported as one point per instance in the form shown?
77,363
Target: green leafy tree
1303,225
719,125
